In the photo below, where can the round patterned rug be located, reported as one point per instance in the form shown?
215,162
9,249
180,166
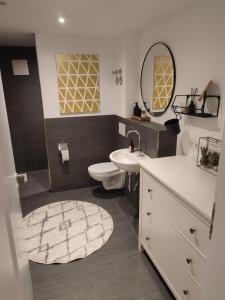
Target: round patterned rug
67,230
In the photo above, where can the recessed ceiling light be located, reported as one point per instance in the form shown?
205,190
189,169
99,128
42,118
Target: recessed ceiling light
3,3
61,20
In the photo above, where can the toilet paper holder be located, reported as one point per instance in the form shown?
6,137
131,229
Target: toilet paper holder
64,151
63,147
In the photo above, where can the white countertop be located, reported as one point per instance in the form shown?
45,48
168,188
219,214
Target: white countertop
193,185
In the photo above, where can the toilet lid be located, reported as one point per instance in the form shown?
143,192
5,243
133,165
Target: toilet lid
103,168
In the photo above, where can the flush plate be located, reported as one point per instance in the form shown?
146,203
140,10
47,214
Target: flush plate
122,129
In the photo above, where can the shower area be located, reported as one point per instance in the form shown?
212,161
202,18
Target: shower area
22,91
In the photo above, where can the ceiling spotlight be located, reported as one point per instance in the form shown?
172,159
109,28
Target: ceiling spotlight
61,20
3,3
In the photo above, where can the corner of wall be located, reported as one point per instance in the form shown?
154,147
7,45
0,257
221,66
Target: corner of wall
128,60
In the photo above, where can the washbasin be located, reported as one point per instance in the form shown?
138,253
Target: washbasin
126,160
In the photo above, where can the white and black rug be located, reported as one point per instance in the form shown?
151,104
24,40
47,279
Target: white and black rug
67,230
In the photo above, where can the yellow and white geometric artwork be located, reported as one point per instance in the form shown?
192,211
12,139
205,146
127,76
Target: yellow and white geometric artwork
163,82
78,83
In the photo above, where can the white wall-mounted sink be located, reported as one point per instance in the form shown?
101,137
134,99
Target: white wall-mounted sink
126,160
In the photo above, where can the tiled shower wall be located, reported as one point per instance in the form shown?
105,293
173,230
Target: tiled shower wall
24,109
90,140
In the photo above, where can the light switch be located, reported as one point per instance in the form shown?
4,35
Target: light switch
122,129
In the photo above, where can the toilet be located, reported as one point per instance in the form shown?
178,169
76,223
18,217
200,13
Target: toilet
110,175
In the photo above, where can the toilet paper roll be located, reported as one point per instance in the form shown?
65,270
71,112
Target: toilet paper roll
65,156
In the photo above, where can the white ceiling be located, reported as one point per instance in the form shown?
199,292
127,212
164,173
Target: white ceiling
102,18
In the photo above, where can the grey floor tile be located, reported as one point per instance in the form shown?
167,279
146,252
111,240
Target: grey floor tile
145,295
111,284
79,287
117,271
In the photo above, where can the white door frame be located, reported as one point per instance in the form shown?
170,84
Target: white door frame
15,278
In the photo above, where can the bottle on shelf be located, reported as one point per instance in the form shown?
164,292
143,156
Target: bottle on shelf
137,110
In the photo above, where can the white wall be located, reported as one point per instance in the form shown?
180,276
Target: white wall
128,59
48,45
196,38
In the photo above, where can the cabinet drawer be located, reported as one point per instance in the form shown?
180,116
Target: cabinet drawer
191,260
157,246
194,229
144,215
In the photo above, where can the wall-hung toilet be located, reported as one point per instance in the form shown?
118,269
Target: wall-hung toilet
111,176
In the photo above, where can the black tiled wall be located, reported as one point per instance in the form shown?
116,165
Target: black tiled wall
155,139
24,108
91,139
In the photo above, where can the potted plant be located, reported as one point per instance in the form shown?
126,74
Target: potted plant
214,159
205,156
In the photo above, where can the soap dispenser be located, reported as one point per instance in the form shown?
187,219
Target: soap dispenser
131,146
137,110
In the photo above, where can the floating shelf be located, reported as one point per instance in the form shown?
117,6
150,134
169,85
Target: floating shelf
200,112
200,115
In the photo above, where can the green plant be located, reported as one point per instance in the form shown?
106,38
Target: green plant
214,159
205,156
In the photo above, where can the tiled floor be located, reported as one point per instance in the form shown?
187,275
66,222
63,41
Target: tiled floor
115,272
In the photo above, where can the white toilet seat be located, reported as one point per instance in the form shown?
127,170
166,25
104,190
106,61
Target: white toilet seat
103,168
110,175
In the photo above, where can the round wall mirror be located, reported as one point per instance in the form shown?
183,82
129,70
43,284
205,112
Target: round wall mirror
158,79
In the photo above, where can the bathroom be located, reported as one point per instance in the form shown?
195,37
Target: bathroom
68,147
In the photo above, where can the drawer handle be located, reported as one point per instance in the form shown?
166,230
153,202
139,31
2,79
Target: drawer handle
192,230
189,261
147,238
185,292
149,190
149,213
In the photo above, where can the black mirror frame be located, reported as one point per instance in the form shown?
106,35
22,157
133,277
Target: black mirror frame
174,85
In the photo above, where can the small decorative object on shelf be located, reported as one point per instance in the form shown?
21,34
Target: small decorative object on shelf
209,154
192,107
139,114
144,118
137,111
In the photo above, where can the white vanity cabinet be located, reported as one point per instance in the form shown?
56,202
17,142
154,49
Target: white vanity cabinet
174,228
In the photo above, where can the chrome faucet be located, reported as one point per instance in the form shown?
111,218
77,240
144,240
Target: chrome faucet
139,140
